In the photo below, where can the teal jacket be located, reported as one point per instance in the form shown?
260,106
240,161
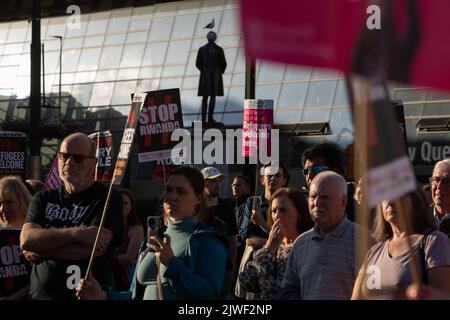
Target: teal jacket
197,275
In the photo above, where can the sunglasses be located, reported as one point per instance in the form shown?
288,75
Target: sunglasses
314,170
77,158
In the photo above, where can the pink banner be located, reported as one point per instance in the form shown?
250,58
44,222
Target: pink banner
257,126
410,46
53,180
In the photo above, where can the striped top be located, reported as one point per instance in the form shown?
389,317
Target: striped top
322,266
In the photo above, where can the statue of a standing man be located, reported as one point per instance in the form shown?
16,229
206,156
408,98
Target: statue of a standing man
212,64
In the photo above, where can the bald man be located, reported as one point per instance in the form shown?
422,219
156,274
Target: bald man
440,193
322,263
61,225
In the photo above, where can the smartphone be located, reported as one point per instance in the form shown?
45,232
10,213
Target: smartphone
155,227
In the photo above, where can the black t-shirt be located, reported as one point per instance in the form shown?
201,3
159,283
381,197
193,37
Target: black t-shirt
57,278
226,213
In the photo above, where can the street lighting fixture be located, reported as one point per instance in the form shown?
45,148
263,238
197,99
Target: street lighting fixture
60,69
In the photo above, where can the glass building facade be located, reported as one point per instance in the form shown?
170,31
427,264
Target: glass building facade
115,53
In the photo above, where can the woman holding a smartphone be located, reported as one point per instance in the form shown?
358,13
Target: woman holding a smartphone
187,263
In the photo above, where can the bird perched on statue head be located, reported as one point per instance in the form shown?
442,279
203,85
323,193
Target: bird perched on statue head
210,25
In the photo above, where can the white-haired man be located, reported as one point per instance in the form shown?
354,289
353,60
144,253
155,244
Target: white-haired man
440,193
322,263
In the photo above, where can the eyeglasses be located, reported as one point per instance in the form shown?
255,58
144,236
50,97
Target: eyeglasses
444,181
77,158
315,170
278,176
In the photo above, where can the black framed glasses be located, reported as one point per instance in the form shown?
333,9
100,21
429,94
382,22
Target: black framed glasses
77,158
444,181
314,170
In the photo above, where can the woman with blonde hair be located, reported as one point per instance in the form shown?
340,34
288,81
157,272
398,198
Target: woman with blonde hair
386,273
14,201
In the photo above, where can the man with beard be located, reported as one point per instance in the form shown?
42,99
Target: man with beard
440,193
322,263
62,224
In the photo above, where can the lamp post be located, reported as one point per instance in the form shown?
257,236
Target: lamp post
60,71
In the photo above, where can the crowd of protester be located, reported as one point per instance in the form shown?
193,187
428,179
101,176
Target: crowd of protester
279,244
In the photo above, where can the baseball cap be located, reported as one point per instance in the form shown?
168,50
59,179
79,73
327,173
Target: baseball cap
211,173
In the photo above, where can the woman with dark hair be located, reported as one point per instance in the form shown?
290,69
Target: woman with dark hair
126,254
189,264
288,217
386,272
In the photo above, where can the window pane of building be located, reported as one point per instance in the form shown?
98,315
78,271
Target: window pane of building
88,76
82,93
270,72
150,72
184,26
230,22
170,83
17,31
340,120
56,27
268,92
147,85
122,92
178,52
319,114
161,28
132,55
72,43
292,96
70,60
319,73
101,94
94,41
110,57
341,98
297,73
137,25
4,29
127,74
119,21
281,117
190,102
115,39
234,118
172,71
133,37
89,59
98,23
235,101
155,54
320,93
109,75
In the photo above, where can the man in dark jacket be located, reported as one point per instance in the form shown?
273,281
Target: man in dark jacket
212,64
